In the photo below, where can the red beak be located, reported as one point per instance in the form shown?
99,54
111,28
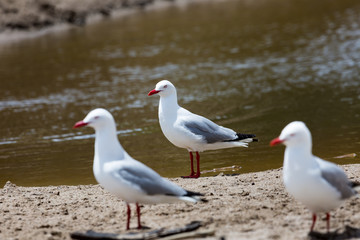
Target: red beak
80,124
152,92
276,141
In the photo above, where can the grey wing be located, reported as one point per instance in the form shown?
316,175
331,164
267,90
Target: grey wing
149,181
336,177
210,131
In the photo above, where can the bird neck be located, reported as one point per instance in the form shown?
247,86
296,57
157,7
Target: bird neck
299,158
168,105
107,146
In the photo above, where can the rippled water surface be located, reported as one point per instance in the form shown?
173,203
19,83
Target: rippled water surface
252,66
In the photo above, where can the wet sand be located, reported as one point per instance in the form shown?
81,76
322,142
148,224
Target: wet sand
246,206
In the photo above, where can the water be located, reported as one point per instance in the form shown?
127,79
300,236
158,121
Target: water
253,66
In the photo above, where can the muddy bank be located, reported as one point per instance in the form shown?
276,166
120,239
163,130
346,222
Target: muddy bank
246,206
25,15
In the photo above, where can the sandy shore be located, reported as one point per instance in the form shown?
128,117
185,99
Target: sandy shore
246,206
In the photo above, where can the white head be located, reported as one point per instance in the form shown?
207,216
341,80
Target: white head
163,88
294,134
96,119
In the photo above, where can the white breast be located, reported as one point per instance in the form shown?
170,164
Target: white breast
309,188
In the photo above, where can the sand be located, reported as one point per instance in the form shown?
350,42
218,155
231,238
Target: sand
246,206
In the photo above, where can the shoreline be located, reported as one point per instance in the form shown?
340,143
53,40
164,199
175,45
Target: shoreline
22,19
251,206
27,15
31,18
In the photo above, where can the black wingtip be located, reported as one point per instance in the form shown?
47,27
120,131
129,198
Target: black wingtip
242,136
192,194
196,196
354,184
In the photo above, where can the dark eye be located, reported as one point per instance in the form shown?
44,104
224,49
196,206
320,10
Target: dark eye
96,117
165,86
293,134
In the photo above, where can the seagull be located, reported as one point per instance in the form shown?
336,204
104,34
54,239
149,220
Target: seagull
190,131
117,172
320,185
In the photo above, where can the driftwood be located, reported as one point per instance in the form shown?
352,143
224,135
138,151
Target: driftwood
167,234
350,155
349,233
223,169
197,234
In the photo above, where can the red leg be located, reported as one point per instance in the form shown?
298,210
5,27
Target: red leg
192,173
328,221
191,164
138,215
128,217
197,165
313,222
